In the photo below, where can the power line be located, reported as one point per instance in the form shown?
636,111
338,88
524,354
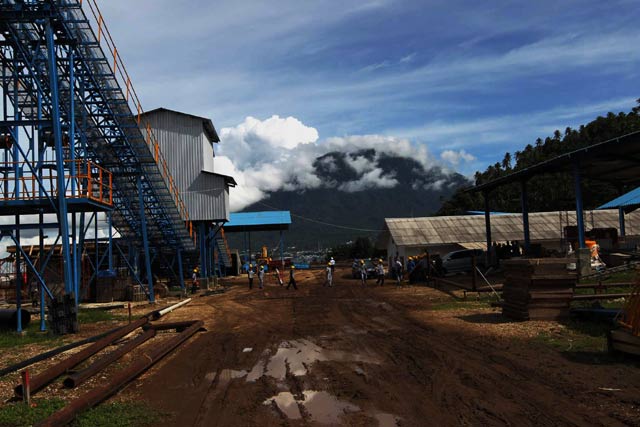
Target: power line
343,227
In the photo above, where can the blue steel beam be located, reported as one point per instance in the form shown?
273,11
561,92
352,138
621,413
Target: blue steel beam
69,280
145,242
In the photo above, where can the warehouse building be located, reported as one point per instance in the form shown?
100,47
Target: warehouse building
551,231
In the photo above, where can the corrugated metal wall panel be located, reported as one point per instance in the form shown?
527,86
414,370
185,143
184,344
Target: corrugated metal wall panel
181,139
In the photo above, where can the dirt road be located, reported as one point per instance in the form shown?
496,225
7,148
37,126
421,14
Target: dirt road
366,356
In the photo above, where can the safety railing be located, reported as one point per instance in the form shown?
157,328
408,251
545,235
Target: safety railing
83,180
122,77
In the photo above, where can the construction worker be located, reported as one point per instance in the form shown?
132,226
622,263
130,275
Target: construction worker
411,264
261,277
380,273
398,271
292,277
250,275
194,281
329,274
332,264
363,273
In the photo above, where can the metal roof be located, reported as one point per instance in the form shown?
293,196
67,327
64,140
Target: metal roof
466,229
628,200
228,179
209,129
258,221
616,160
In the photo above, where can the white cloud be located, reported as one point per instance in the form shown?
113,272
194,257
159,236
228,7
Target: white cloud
279,154
456,157
372,179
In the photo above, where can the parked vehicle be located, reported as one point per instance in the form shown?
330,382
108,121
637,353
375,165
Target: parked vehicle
462,261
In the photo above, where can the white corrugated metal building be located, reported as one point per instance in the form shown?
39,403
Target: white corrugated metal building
443,234
186,142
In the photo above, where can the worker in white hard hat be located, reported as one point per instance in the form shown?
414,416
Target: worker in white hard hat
380,273
250,274
261,277
332,264
292,277
363,272
398,271
329,275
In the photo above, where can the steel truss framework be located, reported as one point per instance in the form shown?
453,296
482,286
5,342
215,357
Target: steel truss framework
73,147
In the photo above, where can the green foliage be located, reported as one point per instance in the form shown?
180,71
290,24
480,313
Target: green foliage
96,315
107,415
362,247
19,414
552,191
31,335
577,336
118,415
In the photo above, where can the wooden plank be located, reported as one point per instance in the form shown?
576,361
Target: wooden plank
624,336
626,348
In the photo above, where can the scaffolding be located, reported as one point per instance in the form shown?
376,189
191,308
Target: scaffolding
71,146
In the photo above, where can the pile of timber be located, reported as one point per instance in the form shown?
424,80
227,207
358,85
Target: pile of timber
537,288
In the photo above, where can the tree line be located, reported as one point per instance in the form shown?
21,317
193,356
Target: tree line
549,192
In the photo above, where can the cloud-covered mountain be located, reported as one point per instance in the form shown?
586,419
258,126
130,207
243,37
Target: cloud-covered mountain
285,155
359,189
337,188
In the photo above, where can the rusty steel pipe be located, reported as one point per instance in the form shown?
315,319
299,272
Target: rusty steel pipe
65,415
178,326
79,377
41,380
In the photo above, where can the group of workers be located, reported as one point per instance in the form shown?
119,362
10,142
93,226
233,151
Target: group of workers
397,271
251,272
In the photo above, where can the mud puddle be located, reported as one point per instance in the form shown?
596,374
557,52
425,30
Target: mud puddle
298,355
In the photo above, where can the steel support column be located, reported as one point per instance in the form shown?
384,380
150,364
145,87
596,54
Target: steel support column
282,248
43,325
525,216
202,239
18,277
110,248
621,220
579,208
180,272
69,281
487,225
145,241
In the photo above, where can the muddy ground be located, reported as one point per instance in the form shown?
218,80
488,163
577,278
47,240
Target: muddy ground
366,356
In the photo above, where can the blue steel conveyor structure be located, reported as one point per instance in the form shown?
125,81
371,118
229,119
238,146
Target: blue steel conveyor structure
72,151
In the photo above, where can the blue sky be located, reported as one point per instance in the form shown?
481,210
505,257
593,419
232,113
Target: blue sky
483,77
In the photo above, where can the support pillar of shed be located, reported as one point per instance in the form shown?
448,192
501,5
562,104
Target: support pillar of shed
487,224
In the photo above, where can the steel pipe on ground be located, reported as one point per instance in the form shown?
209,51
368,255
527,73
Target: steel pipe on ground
159,313
65,415
79,377
41,380
51,353
178,326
